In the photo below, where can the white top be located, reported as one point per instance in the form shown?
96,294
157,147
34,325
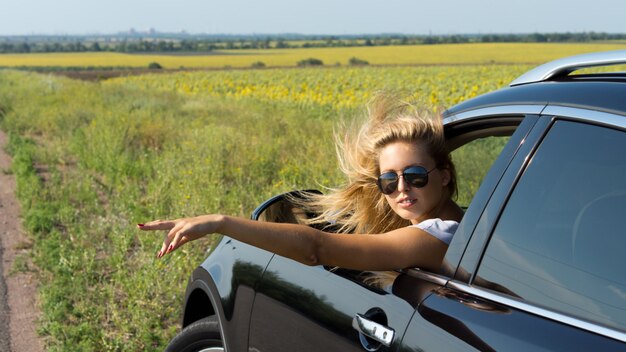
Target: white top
442,229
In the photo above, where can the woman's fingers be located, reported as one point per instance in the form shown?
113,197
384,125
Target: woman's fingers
183,235
179,231
172,226
177,236
157,225
162,251
161,225
169,238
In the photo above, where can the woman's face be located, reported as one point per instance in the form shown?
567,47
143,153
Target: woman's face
411,203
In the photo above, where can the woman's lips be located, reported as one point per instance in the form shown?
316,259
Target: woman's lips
406,202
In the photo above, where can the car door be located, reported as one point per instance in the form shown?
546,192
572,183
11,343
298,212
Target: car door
303,308
541,267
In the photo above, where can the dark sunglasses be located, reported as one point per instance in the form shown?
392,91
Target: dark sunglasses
416,176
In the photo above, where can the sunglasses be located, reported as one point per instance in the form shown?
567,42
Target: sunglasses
416,176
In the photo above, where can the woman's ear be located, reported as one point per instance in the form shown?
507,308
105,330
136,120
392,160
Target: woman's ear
445,177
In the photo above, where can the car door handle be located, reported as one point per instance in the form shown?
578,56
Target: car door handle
373,330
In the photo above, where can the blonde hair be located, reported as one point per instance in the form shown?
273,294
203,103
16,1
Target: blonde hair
359,206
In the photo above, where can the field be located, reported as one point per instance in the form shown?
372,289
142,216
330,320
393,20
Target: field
332,88
92,159
446,54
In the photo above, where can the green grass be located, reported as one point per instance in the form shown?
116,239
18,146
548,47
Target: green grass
92,160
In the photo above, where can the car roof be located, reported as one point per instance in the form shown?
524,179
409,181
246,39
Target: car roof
552,84
606,96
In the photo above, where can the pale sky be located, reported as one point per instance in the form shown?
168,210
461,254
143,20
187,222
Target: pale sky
20,17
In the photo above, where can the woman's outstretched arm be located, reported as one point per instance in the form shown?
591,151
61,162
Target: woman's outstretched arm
294,241
402,248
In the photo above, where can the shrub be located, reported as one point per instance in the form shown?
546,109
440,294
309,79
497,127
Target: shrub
155,66
258,64
357,62
310,62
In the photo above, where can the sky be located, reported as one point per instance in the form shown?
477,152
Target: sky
75,17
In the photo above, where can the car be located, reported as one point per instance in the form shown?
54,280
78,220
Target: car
536,263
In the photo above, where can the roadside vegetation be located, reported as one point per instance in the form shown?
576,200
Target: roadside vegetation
92,161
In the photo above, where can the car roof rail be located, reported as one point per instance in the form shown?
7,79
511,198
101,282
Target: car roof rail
567,65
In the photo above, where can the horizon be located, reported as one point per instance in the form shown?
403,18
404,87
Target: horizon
151,31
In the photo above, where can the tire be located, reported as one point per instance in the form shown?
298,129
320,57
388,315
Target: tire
201,336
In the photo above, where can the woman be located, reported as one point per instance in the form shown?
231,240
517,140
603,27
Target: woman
399,197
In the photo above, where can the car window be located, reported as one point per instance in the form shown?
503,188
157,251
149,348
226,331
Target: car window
560,240
283,210
472,161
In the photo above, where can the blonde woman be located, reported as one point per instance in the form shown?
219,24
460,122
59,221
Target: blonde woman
396,210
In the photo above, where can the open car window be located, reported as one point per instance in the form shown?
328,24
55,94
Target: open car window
472,161
283,209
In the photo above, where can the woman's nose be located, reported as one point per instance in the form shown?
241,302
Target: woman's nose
402,184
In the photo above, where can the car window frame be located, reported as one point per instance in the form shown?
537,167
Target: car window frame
523,119
493,199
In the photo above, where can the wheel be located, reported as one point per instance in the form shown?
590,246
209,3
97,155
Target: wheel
201,336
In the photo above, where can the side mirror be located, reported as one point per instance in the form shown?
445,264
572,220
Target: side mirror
281,208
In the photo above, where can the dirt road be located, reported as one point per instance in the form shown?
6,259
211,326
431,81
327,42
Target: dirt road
18,304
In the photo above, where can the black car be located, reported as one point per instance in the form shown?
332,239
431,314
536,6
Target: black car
536,263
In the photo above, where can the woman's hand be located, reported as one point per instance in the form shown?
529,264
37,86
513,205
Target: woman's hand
181,231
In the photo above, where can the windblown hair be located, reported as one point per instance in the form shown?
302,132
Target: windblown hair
359,206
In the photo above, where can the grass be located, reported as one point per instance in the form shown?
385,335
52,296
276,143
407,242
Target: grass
94,159
20,265
114,157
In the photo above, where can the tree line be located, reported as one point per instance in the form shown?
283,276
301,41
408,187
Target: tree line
208,43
